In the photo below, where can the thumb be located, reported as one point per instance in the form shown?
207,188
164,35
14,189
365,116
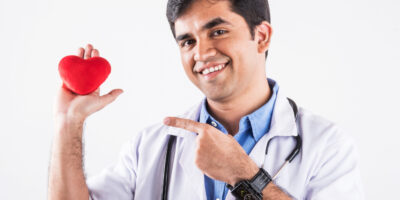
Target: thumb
110,97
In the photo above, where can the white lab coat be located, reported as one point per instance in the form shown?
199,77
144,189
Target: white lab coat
326,168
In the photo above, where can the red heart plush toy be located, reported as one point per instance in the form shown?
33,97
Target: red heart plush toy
83,76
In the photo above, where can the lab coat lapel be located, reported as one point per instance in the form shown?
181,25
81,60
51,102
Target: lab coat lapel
193,174
282,124
186,155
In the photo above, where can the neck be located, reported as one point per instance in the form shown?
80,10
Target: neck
229,112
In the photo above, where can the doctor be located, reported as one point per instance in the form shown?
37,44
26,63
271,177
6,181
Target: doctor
222,140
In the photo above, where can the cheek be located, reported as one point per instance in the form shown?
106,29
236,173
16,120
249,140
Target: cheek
186,60
245,51
238,52
236,47
187,63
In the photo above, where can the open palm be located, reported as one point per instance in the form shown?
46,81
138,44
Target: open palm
69,104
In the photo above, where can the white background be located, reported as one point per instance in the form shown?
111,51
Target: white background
339,59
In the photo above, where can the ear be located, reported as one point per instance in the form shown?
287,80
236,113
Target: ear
263,33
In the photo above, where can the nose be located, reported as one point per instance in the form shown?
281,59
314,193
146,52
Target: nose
204,50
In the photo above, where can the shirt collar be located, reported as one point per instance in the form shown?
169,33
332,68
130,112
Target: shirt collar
258,121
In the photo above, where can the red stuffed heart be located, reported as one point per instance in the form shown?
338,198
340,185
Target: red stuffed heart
83,76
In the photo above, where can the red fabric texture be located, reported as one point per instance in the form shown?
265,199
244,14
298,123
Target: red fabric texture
83,76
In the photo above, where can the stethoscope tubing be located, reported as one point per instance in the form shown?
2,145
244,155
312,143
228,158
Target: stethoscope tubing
298,146
291,156
288,159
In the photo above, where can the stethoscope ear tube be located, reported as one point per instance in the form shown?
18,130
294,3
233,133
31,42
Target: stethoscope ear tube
294,107
166,168
289,158
296,150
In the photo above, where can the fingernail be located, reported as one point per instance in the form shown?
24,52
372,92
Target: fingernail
118,92
166,121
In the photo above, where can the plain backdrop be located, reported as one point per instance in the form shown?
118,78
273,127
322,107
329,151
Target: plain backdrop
340,59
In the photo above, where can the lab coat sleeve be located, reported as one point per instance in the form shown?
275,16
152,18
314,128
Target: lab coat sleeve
338,175
117,181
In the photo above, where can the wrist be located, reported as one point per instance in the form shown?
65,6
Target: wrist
247,172
253,188
69,118
69,125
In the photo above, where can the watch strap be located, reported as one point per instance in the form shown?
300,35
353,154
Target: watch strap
251,189
260,180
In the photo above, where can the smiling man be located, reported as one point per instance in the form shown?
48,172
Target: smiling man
244,140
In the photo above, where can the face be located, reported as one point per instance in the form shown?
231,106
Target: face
217,50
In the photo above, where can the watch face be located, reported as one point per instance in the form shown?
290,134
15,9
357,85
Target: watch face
249,197
242,191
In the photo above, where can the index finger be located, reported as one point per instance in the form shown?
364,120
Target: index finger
186,124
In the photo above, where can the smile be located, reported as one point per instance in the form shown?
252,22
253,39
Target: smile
210,73
213,69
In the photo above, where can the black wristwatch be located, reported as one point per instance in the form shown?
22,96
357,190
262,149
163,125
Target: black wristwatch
251,189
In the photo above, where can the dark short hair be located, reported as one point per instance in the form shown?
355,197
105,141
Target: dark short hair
253,11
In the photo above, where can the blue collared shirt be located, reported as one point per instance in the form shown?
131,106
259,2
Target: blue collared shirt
251,128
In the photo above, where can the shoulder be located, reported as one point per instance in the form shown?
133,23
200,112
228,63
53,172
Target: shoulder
321,130
330,157
324,142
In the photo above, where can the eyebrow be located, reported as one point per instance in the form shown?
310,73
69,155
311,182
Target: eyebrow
209,25
214,22
182,37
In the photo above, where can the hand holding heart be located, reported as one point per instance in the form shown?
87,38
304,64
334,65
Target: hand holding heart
218,155
78,107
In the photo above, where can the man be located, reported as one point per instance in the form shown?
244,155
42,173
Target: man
221,144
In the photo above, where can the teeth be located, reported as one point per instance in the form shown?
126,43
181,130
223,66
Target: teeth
206,71
213,69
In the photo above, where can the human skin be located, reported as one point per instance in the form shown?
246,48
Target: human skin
242,86
240,89
66,175
237,90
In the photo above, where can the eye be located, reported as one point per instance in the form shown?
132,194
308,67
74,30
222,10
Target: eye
187,42
218,32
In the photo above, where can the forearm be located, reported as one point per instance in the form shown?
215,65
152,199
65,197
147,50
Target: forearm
273,192
66,175
270,192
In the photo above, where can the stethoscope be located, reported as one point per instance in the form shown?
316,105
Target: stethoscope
288,159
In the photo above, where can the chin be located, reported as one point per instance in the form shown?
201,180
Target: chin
217,95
